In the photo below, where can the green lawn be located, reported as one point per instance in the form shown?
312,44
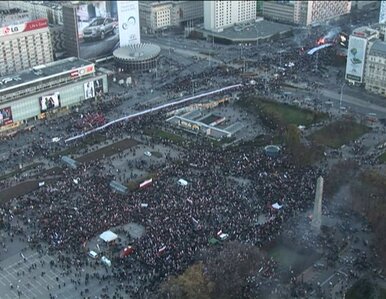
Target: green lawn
281,113
339,133
158,133
19,171
382,158
293,114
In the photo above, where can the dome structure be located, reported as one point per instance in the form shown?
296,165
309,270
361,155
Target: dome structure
139,57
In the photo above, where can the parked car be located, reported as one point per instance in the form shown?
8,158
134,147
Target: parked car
99,28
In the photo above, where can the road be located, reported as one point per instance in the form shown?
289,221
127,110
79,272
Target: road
355,104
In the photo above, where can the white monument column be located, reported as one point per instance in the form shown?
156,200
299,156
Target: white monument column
317,215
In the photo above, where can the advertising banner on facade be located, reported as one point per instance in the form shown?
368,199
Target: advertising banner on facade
5,116
98,86
128,20
382,12
89,90
49,102
97,24
355,58
28,26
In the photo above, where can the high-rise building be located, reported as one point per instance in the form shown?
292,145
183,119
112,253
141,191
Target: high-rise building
222,14
156,15
13,16
375,67
357,53
24,45
94,29
305,12
51,10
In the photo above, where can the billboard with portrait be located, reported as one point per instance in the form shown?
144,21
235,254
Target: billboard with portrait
49,102
98,86
355,58
128,20
5,116
89,90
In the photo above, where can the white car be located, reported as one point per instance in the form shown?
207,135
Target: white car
93,254
147,154
106,261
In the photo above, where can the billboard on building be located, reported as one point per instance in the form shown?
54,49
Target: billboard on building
5,116
100,26
24,27
49,102
128,20
89,90
98,86
97,25
382,12
355,58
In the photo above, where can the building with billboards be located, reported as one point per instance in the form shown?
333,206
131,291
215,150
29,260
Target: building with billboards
24,45
93,27
47,89
357,52
305,12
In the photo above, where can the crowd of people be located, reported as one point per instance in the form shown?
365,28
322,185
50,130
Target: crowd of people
179,220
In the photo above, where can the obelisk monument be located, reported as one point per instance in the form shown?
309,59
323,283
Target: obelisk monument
317,216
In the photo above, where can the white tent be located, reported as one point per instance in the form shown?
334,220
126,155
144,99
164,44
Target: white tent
108,236
276,206
182,182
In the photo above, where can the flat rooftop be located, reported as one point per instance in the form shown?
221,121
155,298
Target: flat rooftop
252,31
42,71
11,11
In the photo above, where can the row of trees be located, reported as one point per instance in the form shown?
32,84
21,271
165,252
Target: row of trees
368,198
225,272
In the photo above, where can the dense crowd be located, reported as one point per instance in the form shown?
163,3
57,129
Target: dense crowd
179,220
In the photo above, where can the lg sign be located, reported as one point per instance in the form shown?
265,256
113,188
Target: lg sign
33,25
10,30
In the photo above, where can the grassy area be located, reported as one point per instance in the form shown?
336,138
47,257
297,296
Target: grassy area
339,133
156,154
19,171
90,140
363,288
158,133
382,158
261,140
275,114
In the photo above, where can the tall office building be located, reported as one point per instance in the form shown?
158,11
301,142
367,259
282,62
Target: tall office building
25,45
156,16
305,12
222,14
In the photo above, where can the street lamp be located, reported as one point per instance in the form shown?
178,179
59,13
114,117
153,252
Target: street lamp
341,97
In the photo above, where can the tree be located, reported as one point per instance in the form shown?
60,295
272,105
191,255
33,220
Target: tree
192,284
231,267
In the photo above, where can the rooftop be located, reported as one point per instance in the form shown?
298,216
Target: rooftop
138,52
42,71
378,48
11,11
250,32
